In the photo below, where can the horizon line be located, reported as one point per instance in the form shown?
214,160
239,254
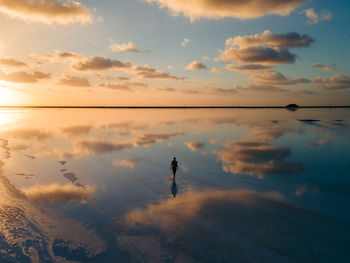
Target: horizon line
169,107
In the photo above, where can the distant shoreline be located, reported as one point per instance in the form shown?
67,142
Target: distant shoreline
169,107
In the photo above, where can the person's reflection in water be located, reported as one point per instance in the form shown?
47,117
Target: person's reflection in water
174,166
174,188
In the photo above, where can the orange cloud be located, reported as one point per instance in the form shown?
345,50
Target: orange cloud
258,54
102,146
77,129
267,38
324,67
150,73
247,67
195,9
333,82
314,18
195,65
194,146
126,47
48,12
55,194
277,78
174,213
12,62
116,86
150,138
129,163
99,63
73,81
24,77
27,134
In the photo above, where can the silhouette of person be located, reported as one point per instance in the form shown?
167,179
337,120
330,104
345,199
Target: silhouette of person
174,166
173,188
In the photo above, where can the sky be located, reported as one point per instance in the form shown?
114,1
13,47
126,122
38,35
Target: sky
174,52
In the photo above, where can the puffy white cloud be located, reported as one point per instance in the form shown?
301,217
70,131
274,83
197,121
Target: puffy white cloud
49,11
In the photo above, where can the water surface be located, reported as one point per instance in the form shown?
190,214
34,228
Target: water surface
95,185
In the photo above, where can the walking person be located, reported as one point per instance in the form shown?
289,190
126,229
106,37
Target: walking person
174,166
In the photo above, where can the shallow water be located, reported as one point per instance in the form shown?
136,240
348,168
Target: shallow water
95,185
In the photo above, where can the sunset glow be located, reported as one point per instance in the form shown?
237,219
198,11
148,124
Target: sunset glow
174,53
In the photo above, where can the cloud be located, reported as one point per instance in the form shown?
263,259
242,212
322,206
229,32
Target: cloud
24,77
150,73
319,143
314,18
267,38
334,82
55,57
215,70
126,47
264,169
99,63
277,78
194,146
185,42
259,87
48,12
219,91
264,49
73,81
27,134
255,155
55,194
125,128
45,230
216,9
247,67
12,62
324,67
150,138
184,91
195,65
258,160
116,86
128,163
77,130
97,146
261,55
